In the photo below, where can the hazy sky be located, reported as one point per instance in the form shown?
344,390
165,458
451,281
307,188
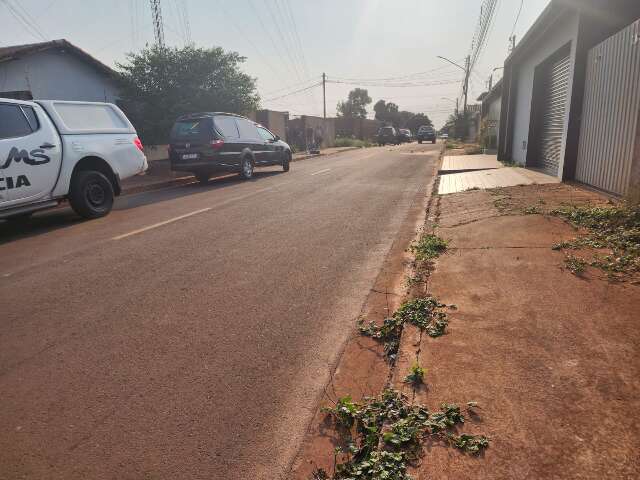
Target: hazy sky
289,43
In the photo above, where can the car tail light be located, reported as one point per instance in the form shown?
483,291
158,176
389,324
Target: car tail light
138,144
216,144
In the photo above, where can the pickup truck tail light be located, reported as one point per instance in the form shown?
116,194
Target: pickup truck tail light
216,144
138,144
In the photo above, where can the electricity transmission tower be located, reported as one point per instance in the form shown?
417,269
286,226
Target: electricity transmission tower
158,29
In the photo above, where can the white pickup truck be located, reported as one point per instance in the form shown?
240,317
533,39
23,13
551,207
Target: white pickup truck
53,150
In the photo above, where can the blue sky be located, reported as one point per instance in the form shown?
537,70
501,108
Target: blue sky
289,43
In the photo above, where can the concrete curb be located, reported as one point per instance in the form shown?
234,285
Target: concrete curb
314,155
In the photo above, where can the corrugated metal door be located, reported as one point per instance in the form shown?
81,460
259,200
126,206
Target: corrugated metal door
610,112
554,106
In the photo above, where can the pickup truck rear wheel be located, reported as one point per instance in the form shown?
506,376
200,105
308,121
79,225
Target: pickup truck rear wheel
91,194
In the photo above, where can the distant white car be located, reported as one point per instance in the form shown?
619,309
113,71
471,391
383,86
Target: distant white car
53,150
444,136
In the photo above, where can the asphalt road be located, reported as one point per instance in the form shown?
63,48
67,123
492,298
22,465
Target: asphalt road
190,333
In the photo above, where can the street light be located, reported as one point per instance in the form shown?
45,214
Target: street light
465,69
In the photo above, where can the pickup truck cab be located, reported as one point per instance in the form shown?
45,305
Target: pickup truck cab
52,151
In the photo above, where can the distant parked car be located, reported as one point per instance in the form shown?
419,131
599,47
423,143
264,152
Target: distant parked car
388,135
405,135
426,134
205,143
444,136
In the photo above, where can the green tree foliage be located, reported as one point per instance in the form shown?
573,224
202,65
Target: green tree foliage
356,105
417,120
458,125
159,84
386,112
391,114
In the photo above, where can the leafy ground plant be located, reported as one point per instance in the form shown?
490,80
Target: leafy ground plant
415,375
427,314
575,265
388,433
614,228
429,246
532,210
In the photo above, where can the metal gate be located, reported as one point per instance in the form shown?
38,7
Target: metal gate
610,112
552,119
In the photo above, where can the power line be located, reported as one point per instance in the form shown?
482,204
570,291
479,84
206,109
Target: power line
244,35
398,85
402,77
284,42
268,32
513,30
28,23
294,85
294,92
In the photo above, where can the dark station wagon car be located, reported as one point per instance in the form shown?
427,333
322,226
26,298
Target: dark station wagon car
206,143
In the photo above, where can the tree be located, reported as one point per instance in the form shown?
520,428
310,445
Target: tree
159,84
356,104
386,112
458,124
417,120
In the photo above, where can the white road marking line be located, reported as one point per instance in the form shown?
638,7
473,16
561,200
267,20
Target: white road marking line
191,214
321,171
160,224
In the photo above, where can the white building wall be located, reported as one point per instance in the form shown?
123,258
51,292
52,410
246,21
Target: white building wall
562,32
55,75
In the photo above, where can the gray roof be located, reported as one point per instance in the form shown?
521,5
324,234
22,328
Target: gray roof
20,51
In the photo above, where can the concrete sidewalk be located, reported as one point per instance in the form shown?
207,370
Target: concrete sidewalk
159,174
552,358
460,173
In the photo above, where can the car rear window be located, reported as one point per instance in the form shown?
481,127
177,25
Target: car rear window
13,123
387,130
227,126
192,129
248,130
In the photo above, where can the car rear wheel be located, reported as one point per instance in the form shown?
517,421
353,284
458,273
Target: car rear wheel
91,194
433,141
203,177
419,141
246,171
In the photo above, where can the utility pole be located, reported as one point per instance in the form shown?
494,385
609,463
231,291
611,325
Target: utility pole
324,94
158,27
457,106
467,71
466,81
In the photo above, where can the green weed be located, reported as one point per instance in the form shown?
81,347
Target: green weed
615,228
429,246
388,432
575,265
415,375
425,313
532,210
